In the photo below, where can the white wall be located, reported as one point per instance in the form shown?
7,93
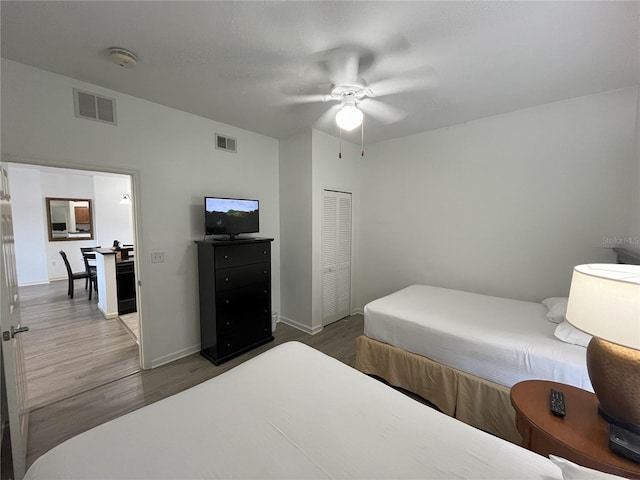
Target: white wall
309,163
64,185
175,164
505,205
295,230
112,220
333,173
634,221
38,260
29,225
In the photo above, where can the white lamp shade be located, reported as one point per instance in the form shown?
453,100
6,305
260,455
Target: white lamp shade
604,301
349,117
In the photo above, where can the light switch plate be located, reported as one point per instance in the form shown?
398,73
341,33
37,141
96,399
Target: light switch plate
157,257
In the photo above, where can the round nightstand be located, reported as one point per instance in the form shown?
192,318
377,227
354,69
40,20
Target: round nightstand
581,436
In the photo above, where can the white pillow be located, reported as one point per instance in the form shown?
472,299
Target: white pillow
557,308
572,471
570,334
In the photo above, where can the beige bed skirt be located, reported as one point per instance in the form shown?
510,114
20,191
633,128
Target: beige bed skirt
473,400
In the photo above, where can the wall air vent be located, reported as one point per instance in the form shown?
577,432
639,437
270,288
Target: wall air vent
94,107
227,144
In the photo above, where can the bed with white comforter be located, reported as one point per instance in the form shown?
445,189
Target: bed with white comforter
466,337
294,413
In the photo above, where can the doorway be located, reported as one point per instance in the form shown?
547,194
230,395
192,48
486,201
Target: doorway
71,347
336,255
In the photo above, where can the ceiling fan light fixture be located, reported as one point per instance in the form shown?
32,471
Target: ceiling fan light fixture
349,117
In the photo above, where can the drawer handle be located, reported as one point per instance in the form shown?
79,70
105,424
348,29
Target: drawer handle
228,344
228,323
226,301
264,252
226,279
265,271
264,291
265,310
226,256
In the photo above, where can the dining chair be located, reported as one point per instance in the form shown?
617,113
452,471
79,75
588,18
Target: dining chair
92,274
90,255
73,275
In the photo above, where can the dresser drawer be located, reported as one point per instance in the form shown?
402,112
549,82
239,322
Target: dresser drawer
241,276
234,255
249,297
228,344
243,308
243,324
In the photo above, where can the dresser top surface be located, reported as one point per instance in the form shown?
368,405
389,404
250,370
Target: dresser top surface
239,241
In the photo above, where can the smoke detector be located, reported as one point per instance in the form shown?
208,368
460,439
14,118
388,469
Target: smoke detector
123,57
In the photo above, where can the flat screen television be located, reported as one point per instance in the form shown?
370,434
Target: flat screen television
231,216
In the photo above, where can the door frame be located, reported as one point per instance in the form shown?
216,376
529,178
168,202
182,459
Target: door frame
136,203
322,192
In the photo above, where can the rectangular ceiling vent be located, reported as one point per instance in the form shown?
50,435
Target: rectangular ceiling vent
227,144
94,107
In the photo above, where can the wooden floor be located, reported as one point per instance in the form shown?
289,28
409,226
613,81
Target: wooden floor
131,324
64,419
70,347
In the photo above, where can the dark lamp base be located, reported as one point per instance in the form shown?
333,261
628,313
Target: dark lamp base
616,421
615,376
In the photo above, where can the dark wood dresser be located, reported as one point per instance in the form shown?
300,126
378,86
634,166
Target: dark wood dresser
235,296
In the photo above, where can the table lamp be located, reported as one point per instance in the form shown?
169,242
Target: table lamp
604,301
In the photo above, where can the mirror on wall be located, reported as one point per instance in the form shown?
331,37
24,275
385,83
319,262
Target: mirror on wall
69,219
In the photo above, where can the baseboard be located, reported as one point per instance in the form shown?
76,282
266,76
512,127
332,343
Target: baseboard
28,284
172,357
358,311
107,315
300,326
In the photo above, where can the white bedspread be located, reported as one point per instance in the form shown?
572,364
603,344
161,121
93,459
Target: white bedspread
502,340
295,413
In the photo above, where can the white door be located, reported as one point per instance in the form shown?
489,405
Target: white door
336,256
12,354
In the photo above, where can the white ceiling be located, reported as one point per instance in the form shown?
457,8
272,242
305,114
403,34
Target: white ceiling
235,61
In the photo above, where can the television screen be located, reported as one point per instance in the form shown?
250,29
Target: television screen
231,216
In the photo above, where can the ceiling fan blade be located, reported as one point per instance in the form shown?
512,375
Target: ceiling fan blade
298,99
295,88
343,63
351,65
382,112
392,86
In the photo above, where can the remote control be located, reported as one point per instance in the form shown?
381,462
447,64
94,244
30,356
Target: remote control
556,403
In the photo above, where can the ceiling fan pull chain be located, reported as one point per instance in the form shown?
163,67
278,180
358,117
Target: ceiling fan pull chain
362,137
340,144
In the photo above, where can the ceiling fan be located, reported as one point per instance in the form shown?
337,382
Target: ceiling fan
353,94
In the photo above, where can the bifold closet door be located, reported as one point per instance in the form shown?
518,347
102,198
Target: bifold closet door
336,256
